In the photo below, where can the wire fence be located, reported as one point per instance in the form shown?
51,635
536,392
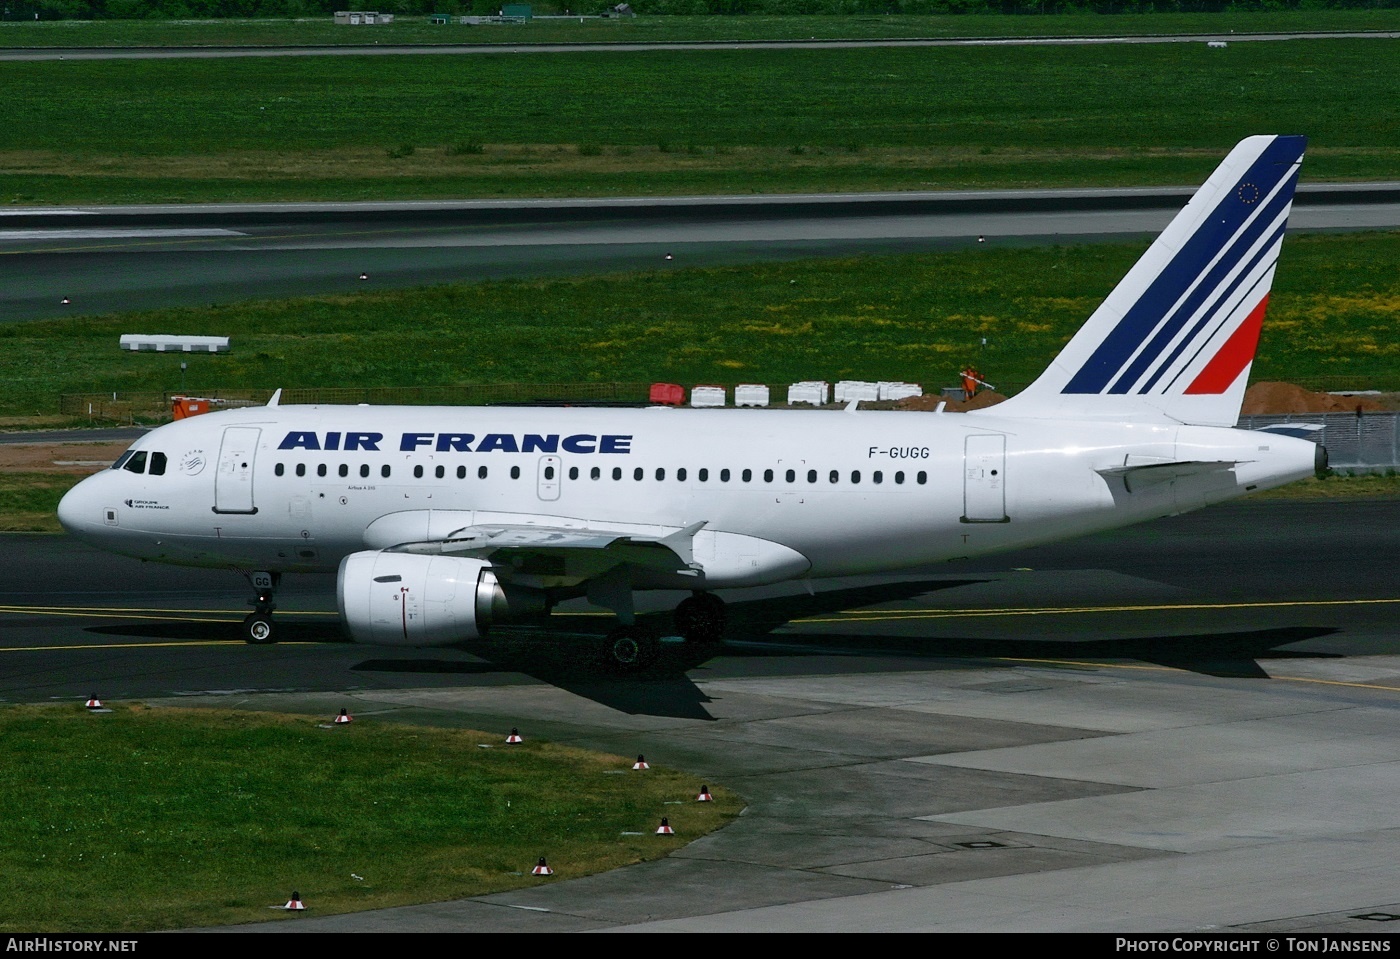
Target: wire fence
1356,442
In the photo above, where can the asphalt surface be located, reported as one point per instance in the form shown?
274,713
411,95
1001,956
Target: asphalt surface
1187,725
105,259
477,49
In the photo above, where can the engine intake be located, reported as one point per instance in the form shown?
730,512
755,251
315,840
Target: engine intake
408,599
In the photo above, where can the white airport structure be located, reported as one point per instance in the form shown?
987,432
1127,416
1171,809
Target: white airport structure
168,343
751,394
707,396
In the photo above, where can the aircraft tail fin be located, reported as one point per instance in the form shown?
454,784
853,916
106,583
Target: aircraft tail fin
1176,338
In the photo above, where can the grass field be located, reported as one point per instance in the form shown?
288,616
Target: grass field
321,31
916,318
683,121
172,818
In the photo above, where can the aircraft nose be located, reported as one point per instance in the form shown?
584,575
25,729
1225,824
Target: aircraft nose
79,510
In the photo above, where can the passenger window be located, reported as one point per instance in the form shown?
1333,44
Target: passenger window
724,476
922,478
834,476
595,473
384,471
767,476
320,469
481,472
899,476
811,476
515,472
301,469
617,472
440,472
364,470
703,475
638,473
137,463
680,474
660,474
878,477
549,472
461,472
855,476
417,472
573,472
278,470
747,475
157,464
792,476
344,470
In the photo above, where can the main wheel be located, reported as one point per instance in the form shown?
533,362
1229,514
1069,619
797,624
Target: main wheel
257,629
701,618
630,647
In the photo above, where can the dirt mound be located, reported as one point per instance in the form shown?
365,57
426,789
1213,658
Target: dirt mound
930,401
1265,398
75,458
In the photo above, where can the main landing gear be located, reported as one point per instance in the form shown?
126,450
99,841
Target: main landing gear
257,626
699,619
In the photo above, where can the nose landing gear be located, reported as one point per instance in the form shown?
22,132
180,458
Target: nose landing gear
257,625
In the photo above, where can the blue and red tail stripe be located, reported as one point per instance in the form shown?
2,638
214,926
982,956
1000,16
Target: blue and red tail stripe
1203,287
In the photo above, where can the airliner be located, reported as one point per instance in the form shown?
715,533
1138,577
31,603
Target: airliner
442,521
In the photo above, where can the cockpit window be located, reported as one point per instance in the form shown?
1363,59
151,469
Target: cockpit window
137,463
157,464
121,460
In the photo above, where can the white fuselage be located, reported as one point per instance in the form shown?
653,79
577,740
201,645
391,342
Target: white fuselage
781,493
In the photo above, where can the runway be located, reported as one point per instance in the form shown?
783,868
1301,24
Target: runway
106,259
517,49
1187,725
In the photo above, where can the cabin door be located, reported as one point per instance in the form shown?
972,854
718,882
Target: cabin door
233,484
984,479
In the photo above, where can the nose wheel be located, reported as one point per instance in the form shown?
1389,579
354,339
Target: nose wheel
258,629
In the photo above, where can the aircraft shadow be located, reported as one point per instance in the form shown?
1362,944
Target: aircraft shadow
569,660
1233,655
220,631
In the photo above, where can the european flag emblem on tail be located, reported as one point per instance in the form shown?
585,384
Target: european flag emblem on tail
1176,337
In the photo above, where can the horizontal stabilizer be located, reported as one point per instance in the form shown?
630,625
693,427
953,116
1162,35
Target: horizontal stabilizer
1140,476
1302,431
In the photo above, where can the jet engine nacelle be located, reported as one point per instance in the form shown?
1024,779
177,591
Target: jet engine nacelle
409,599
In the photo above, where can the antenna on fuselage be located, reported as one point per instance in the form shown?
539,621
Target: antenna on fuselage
276,397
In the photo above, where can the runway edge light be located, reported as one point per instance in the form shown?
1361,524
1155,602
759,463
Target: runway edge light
641,762
514,738
294,904
344,717
542,869
704,795
665,828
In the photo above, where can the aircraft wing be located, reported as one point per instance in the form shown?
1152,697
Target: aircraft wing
570,552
